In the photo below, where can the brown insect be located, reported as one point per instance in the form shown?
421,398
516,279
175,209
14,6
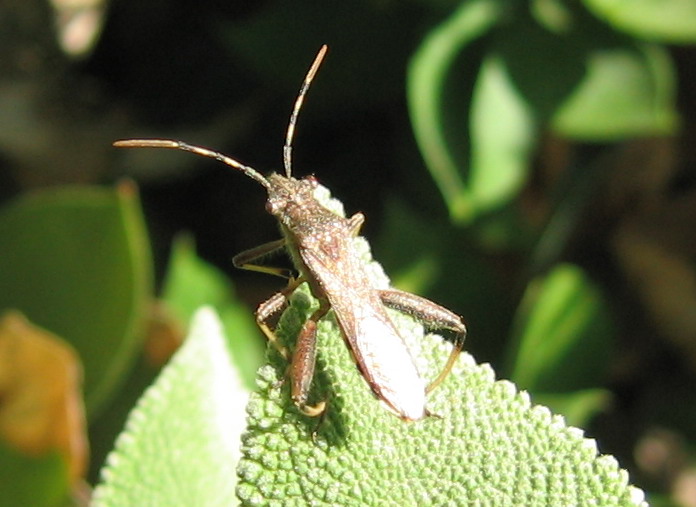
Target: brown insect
320,243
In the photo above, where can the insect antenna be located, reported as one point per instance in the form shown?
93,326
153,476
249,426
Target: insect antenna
287,149
205,152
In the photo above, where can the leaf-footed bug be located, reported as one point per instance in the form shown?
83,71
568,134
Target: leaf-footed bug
320,243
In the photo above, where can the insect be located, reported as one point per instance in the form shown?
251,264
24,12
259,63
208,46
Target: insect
320,243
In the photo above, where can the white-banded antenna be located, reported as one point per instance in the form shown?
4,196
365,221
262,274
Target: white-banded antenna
287,149
180,145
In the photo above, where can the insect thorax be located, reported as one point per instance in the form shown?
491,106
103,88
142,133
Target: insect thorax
293,203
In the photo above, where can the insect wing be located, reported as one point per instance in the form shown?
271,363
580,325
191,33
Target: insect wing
386,363
377,348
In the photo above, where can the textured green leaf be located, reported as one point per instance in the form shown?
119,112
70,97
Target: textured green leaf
191,283
672,21
628,90
562,334
438,100
181,442
77,262
489,445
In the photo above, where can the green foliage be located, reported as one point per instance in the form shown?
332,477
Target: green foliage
78,263
561,344
562,336
362,454
192,283
39,481
670,21
181,442
552,64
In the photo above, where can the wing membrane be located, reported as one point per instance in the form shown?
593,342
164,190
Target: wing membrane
379,351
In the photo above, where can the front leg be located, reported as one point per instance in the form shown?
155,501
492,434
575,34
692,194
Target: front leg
272,306
248,258
304,358
304,361
433,316
355,223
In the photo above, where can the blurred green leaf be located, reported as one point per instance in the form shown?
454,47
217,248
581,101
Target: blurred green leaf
577,407
503,134
181,442
628,91
76,261
670,21
593,84
542,65
562,335
35,481
438,100
191,283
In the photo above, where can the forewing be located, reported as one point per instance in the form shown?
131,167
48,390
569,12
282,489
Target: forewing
379,351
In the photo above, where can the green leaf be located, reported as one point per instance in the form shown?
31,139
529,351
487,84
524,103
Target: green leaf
577,407
181,442
438,100
191,283
489,445
543,62
503,134
562,334
671,21
40,481
628,91
76,261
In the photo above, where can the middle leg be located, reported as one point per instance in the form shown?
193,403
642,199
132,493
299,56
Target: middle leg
433,316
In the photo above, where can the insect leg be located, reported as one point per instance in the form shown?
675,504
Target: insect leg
270,307
356,222
303,362
433,316
246,259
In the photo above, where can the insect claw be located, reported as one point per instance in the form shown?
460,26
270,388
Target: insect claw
322,418
428,413
314,410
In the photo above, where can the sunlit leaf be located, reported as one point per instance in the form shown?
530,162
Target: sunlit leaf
181,442
627,91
